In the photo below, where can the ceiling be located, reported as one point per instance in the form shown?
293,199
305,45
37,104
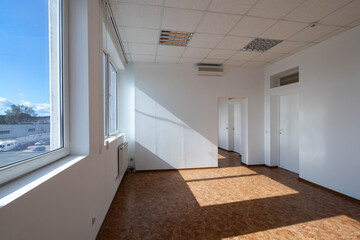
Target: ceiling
222,27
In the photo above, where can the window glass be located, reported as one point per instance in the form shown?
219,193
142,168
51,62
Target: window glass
105,92
30,83
112,99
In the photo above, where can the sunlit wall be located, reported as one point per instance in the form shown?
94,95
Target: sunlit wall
176,114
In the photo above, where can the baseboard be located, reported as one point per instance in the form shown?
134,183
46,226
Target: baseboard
176,169
225,149
231,151
258,165
352,199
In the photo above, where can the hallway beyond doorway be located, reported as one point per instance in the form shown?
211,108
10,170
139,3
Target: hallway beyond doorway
228,158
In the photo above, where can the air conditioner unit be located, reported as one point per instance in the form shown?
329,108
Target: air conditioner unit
210,69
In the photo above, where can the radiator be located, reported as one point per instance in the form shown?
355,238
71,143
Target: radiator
122,158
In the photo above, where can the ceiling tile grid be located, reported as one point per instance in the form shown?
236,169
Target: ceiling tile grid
267,57
181,20
310,34
235,63
286,47
171,51
221,28
166,59
204,40
252,26
234,43
188,4
190,60
231,6
213,61
314,10
221,54
275,9
218,23
196,52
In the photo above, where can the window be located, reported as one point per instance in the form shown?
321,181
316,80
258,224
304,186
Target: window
113,120
31,92
110,97
287,77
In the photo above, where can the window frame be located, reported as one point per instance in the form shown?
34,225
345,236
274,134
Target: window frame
26,166
108,62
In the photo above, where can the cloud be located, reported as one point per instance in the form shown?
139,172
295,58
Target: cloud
25,103
41,109
4,105
21,94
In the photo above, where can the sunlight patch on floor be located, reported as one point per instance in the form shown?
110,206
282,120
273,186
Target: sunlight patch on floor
236,189
328,228
193,174
221,156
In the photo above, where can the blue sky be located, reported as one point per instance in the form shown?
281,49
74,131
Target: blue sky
24,54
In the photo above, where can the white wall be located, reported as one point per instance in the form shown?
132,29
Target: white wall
329,111
127,106
176,116
63,207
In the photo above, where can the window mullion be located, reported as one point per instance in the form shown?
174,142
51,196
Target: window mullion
107,95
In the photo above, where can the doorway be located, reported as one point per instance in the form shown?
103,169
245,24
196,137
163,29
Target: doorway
289,132
232,131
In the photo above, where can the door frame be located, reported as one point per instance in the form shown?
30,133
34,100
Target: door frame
288,162
243,101
231,120
275,126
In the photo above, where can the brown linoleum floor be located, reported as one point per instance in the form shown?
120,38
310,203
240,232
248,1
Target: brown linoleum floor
228,159
227,203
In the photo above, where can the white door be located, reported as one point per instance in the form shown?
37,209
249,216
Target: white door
223,128
289,132
231,127
237,128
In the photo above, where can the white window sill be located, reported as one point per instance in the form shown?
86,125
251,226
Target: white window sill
112,138
15,189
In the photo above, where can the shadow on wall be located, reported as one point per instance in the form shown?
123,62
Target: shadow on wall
163,141
152,161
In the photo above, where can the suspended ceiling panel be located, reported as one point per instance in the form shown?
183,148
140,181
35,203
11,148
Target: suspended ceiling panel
221,28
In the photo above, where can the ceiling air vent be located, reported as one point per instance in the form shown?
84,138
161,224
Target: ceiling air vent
261,45
174,38
210,69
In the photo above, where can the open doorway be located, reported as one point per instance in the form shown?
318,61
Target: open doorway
232,131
